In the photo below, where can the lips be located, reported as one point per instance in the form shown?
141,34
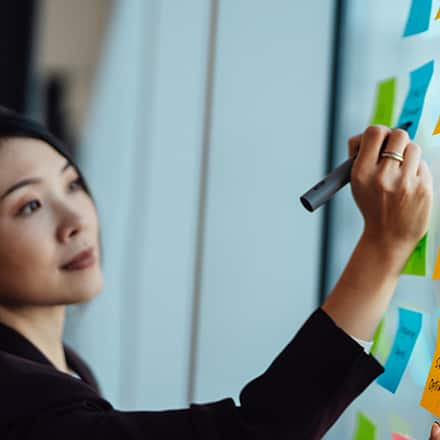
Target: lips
80,261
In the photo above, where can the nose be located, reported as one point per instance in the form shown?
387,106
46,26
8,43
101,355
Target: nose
71,224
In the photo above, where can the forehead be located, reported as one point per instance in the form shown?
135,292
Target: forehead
21,157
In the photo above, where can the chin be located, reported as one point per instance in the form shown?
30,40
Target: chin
83,297
86,292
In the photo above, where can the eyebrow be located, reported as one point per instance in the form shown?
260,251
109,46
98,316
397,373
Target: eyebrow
30,181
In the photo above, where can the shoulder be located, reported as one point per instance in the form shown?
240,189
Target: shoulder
29,387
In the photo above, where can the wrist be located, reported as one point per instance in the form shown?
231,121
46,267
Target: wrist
391,255
362,293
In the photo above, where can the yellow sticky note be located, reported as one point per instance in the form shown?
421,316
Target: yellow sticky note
431,393
436,274
437,127
438,14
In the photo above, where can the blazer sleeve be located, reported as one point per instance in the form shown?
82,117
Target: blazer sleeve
299,396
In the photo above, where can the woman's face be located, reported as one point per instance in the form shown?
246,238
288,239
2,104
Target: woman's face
42,226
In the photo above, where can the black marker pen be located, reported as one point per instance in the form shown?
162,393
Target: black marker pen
333,182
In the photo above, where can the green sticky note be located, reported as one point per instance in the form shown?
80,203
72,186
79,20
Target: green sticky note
383,109
365,428
381,343
416,264
397,424
377,337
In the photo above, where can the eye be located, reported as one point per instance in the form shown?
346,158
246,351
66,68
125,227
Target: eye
76,184
24,211
28,208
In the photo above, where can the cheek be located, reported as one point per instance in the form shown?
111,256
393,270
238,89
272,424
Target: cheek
26,253
24,246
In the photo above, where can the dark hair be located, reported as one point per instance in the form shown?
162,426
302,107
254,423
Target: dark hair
13,124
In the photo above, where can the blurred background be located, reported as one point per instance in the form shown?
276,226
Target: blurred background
198,124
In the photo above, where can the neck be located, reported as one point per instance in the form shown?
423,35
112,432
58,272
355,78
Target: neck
41,325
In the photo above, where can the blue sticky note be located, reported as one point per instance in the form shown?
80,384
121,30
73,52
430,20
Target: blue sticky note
413,106
421,360
418,18
410,324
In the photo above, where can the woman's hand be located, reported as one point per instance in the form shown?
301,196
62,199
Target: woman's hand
395,201
435,432
394,198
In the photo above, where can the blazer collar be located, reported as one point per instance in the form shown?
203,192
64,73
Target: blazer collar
15,343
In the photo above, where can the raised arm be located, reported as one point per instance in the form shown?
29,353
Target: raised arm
395,201
313,379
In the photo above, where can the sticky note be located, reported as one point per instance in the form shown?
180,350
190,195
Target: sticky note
416,263
438,14
381,343
436,273
397,436
384,104
410,324
399,426
418,18
413,105
365,428
422,355
437,127
431,393
377,336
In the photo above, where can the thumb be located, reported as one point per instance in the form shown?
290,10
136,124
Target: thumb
435,432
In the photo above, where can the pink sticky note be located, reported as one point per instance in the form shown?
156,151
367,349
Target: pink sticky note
397,436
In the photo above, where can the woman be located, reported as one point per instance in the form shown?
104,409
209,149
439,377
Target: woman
50,257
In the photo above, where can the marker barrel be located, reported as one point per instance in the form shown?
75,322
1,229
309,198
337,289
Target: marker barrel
327,187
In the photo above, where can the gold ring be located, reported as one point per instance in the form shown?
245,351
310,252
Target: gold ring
392,155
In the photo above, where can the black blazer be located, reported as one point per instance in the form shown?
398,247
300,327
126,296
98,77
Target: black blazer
299,396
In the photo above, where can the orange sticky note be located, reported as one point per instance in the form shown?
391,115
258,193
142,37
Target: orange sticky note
436,274
437,127
438,14
431,393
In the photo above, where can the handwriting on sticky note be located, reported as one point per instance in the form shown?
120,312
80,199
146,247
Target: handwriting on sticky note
431,393
365,428
416,263
384,105
410,324
418,17
413,105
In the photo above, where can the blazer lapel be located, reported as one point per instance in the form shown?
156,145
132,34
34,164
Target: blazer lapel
15,343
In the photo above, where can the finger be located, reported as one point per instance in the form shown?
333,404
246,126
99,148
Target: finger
371,143
425,187
396,143
353,145
435,432
424,173
411,163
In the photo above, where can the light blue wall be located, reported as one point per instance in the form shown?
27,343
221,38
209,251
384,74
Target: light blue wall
263,134
260,273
